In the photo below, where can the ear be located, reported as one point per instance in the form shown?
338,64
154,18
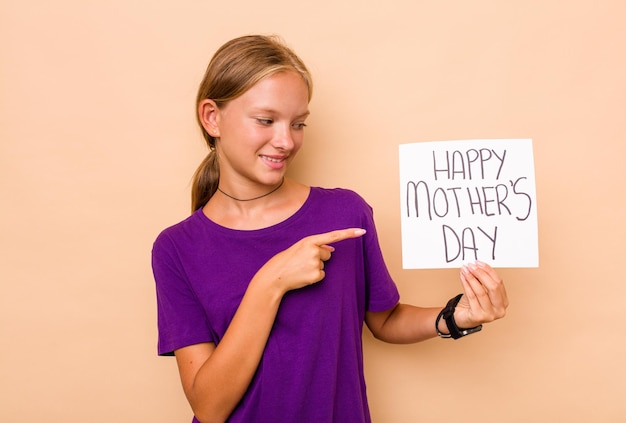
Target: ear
208,115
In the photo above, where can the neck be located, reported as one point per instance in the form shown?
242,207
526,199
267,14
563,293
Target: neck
273,190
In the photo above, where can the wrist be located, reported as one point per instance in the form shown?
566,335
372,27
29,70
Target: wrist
460,318
268,288
453,330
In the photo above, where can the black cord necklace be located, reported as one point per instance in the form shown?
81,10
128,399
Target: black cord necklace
255,198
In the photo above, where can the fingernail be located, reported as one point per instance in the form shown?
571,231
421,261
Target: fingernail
480,263
360,232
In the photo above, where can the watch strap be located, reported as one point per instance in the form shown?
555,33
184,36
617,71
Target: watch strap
448,315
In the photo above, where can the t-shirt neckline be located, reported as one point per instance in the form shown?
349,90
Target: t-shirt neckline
277,226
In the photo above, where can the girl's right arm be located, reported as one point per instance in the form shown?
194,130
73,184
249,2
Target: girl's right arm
215,378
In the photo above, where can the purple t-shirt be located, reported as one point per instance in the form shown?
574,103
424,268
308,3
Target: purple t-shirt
312,366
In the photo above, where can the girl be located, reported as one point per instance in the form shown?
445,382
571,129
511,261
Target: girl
263,291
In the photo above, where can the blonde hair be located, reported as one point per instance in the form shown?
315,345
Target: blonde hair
233,70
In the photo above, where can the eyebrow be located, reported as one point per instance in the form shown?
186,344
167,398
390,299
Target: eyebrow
272,111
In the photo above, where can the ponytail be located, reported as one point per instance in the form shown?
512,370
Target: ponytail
205,181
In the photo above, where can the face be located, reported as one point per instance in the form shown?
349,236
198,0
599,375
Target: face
260,132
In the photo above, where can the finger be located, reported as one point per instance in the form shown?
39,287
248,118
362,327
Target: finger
478,278
481,309
477,293
335,236
483,292
490,280
485,273
470,288
321,276
476,314
325,252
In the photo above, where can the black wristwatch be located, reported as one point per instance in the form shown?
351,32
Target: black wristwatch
448,315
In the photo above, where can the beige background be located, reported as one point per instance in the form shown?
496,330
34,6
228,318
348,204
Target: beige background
98,143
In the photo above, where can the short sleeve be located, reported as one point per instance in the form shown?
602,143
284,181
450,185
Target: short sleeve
382,292
181,318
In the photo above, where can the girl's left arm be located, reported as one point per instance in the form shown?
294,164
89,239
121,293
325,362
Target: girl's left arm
484,301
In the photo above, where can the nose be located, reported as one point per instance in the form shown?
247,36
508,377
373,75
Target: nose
283,138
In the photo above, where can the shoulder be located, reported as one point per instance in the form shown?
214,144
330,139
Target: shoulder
338,196
342,206
181,232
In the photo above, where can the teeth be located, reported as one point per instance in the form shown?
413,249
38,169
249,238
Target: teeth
271,159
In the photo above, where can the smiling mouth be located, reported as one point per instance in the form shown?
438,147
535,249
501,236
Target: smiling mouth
272,159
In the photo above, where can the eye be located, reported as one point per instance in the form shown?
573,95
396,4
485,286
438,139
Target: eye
300,125
265,122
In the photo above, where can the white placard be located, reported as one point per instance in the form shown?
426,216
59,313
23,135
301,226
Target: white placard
468,200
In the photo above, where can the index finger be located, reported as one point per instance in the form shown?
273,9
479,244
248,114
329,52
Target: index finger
334,236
